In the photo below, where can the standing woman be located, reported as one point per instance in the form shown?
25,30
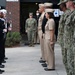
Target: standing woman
50,40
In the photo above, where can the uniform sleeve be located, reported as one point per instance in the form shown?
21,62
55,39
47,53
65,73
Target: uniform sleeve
74,27
60,30
26,24
73,20
61,26
1,26
35,24
1,30
51,25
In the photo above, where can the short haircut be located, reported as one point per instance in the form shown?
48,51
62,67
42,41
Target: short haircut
64,5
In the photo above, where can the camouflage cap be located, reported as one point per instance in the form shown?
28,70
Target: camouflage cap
62,1
31,14
69,0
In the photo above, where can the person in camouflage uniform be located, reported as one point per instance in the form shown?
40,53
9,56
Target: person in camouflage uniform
74,3
69,37
31,26
61,31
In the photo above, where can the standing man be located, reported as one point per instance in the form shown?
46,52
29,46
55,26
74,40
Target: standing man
31,26
60,39
7,27
41,27
40,31
69,37
3,30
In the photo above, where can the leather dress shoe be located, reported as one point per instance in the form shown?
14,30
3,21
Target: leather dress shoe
2,66
1,71
4,61
44,65
30,45
5,58
41,61
41,58
46,69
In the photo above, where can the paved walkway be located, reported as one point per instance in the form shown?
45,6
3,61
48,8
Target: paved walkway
25,61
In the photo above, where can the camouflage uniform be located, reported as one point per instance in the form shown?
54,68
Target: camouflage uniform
31,26
61,36
69,41
61,30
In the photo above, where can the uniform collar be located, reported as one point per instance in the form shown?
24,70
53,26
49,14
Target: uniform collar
2,19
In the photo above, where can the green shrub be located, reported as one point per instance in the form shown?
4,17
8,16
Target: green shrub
12,39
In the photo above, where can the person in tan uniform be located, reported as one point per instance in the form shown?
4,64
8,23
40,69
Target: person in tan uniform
47,6
50,40
40,33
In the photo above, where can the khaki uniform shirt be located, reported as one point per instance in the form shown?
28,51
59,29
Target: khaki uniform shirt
40,21
50,25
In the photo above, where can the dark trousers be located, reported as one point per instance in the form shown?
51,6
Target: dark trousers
4,48
1,50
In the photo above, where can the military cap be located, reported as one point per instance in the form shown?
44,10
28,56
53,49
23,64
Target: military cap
48,4
41,5
69,0
62,1
3,11
31,14
49,10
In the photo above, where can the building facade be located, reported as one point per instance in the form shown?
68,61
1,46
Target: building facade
13,13
18,11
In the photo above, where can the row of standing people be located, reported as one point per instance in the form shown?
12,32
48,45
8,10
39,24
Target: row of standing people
46,33
66,34
46,28
4,28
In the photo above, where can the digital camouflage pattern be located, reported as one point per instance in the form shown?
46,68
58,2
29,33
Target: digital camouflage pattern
61,36
31,27
69,43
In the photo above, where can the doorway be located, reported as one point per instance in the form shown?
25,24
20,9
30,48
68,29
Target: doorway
25,8
24,13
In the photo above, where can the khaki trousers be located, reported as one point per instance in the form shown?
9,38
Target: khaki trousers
50,58
45,50
41,44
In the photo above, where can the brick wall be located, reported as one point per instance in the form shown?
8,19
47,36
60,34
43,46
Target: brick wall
13,9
